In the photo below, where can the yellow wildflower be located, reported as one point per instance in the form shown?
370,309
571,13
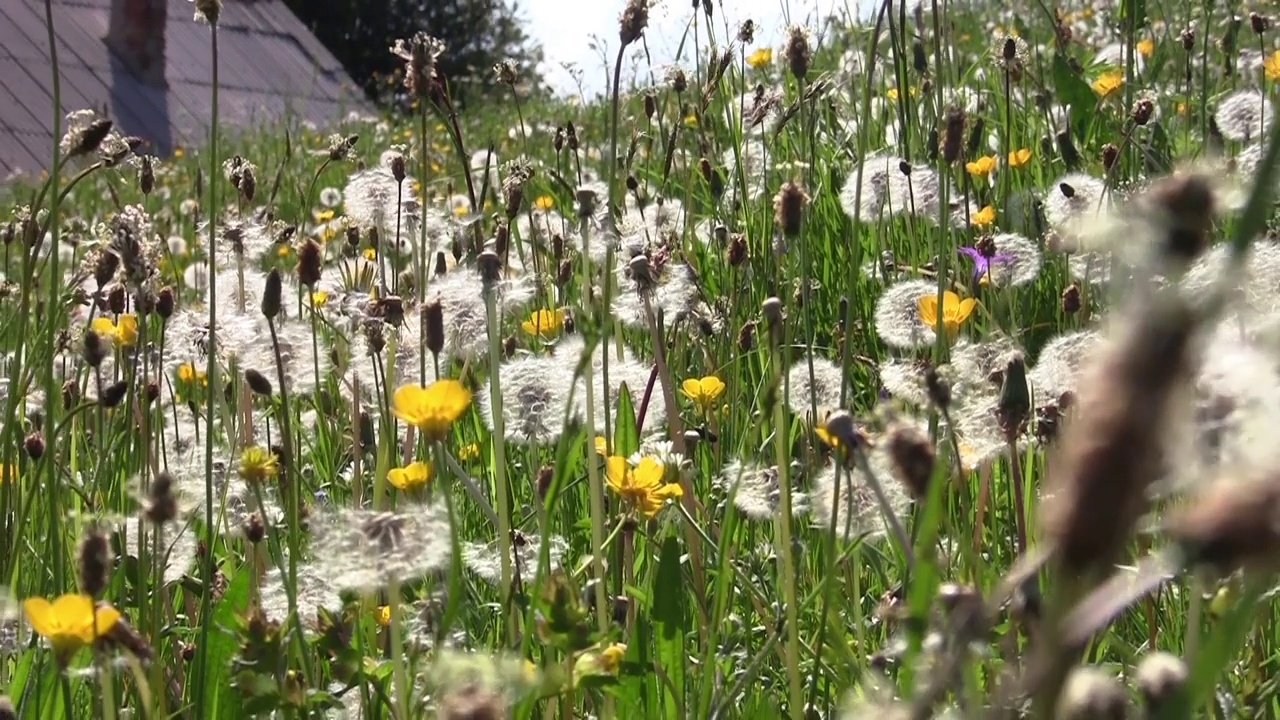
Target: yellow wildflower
602,446
284,250
544,202
983,166
761,57
984,217
611,657
370,254
124,332
703,392
1108,82
691,120
1145,47
8,473
188,373
641,487
413,475
258,464
432,409
179,152
1271,65
1020,157
544,322
954,311
69,622
470,451
383,615
324,215
319,298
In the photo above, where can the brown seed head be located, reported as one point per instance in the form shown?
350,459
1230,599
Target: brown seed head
747,337
634,19
34,445
117,299
93,563
113,395
1067,148
1259,23
747,32
799,55
1112,451
1071,299
165,303
788,208
161,506
913,459
94,350
1184,206
542,483
254,529
442,264
271,294
146,176
737,253
953,134
257,382
88,139
1231,524
490,267
310,261
1188,39
433,326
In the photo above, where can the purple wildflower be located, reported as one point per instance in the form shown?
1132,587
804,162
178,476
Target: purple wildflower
981,262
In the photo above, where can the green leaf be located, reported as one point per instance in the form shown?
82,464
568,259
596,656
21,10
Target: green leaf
218,691
637,692
626,436
670,617
1074,91
1216,653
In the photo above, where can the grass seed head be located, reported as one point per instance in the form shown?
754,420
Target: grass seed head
258,382
913,458
788,208
953,134
94,563
1231,525
34,445
1113,451
310,263
113,395
799,54
161,506
632,22
271,294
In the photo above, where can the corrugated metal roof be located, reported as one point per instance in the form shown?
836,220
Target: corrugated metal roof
271,67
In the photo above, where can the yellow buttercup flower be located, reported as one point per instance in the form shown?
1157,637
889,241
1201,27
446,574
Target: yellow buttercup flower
703,392
544,202
984,217
319,298
1145,47
432,409
1271,65
470,451
258,464
123,333
413,475
544,322
691,120
760,58
69,622
370,254
611,657
983,166
1019,157
602,446
954,311
641,487
383,615
188,373
324,215
1108,82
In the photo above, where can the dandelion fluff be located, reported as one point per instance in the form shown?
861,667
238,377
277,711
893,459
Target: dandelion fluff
851,503
366,551
822,390
897,316
1244,115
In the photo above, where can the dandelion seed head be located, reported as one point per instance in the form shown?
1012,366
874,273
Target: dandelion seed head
1058,365
177,550
1074,198
1244,115
535,400
312,592
484,559
897,316
1019,260
755,491
365,550
850,502
674,293
823,389
904,379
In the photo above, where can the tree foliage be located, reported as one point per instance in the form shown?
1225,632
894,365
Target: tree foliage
477,33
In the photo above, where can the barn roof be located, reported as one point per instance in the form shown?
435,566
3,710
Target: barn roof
270,67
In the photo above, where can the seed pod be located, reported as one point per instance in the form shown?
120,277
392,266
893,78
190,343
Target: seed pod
34,445
398,168
94,350
117,300
913,459
257,382
919,61
146,176
271,294
1071,299
953,134
433,326
93,563
161,506
165,303
310,261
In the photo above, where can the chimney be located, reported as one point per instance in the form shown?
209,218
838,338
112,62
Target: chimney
136,36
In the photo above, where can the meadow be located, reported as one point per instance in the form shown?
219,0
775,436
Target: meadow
923,366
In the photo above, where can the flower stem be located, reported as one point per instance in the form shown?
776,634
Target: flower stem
782,531
499,456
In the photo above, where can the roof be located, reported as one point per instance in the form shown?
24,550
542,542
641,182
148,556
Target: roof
271,67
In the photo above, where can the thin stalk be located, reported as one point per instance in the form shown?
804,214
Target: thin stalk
211,373
55,220
594,487
500,457
782,529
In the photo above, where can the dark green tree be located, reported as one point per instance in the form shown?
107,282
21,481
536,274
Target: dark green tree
477,33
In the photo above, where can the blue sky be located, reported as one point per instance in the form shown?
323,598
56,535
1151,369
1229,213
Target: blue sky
565,28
